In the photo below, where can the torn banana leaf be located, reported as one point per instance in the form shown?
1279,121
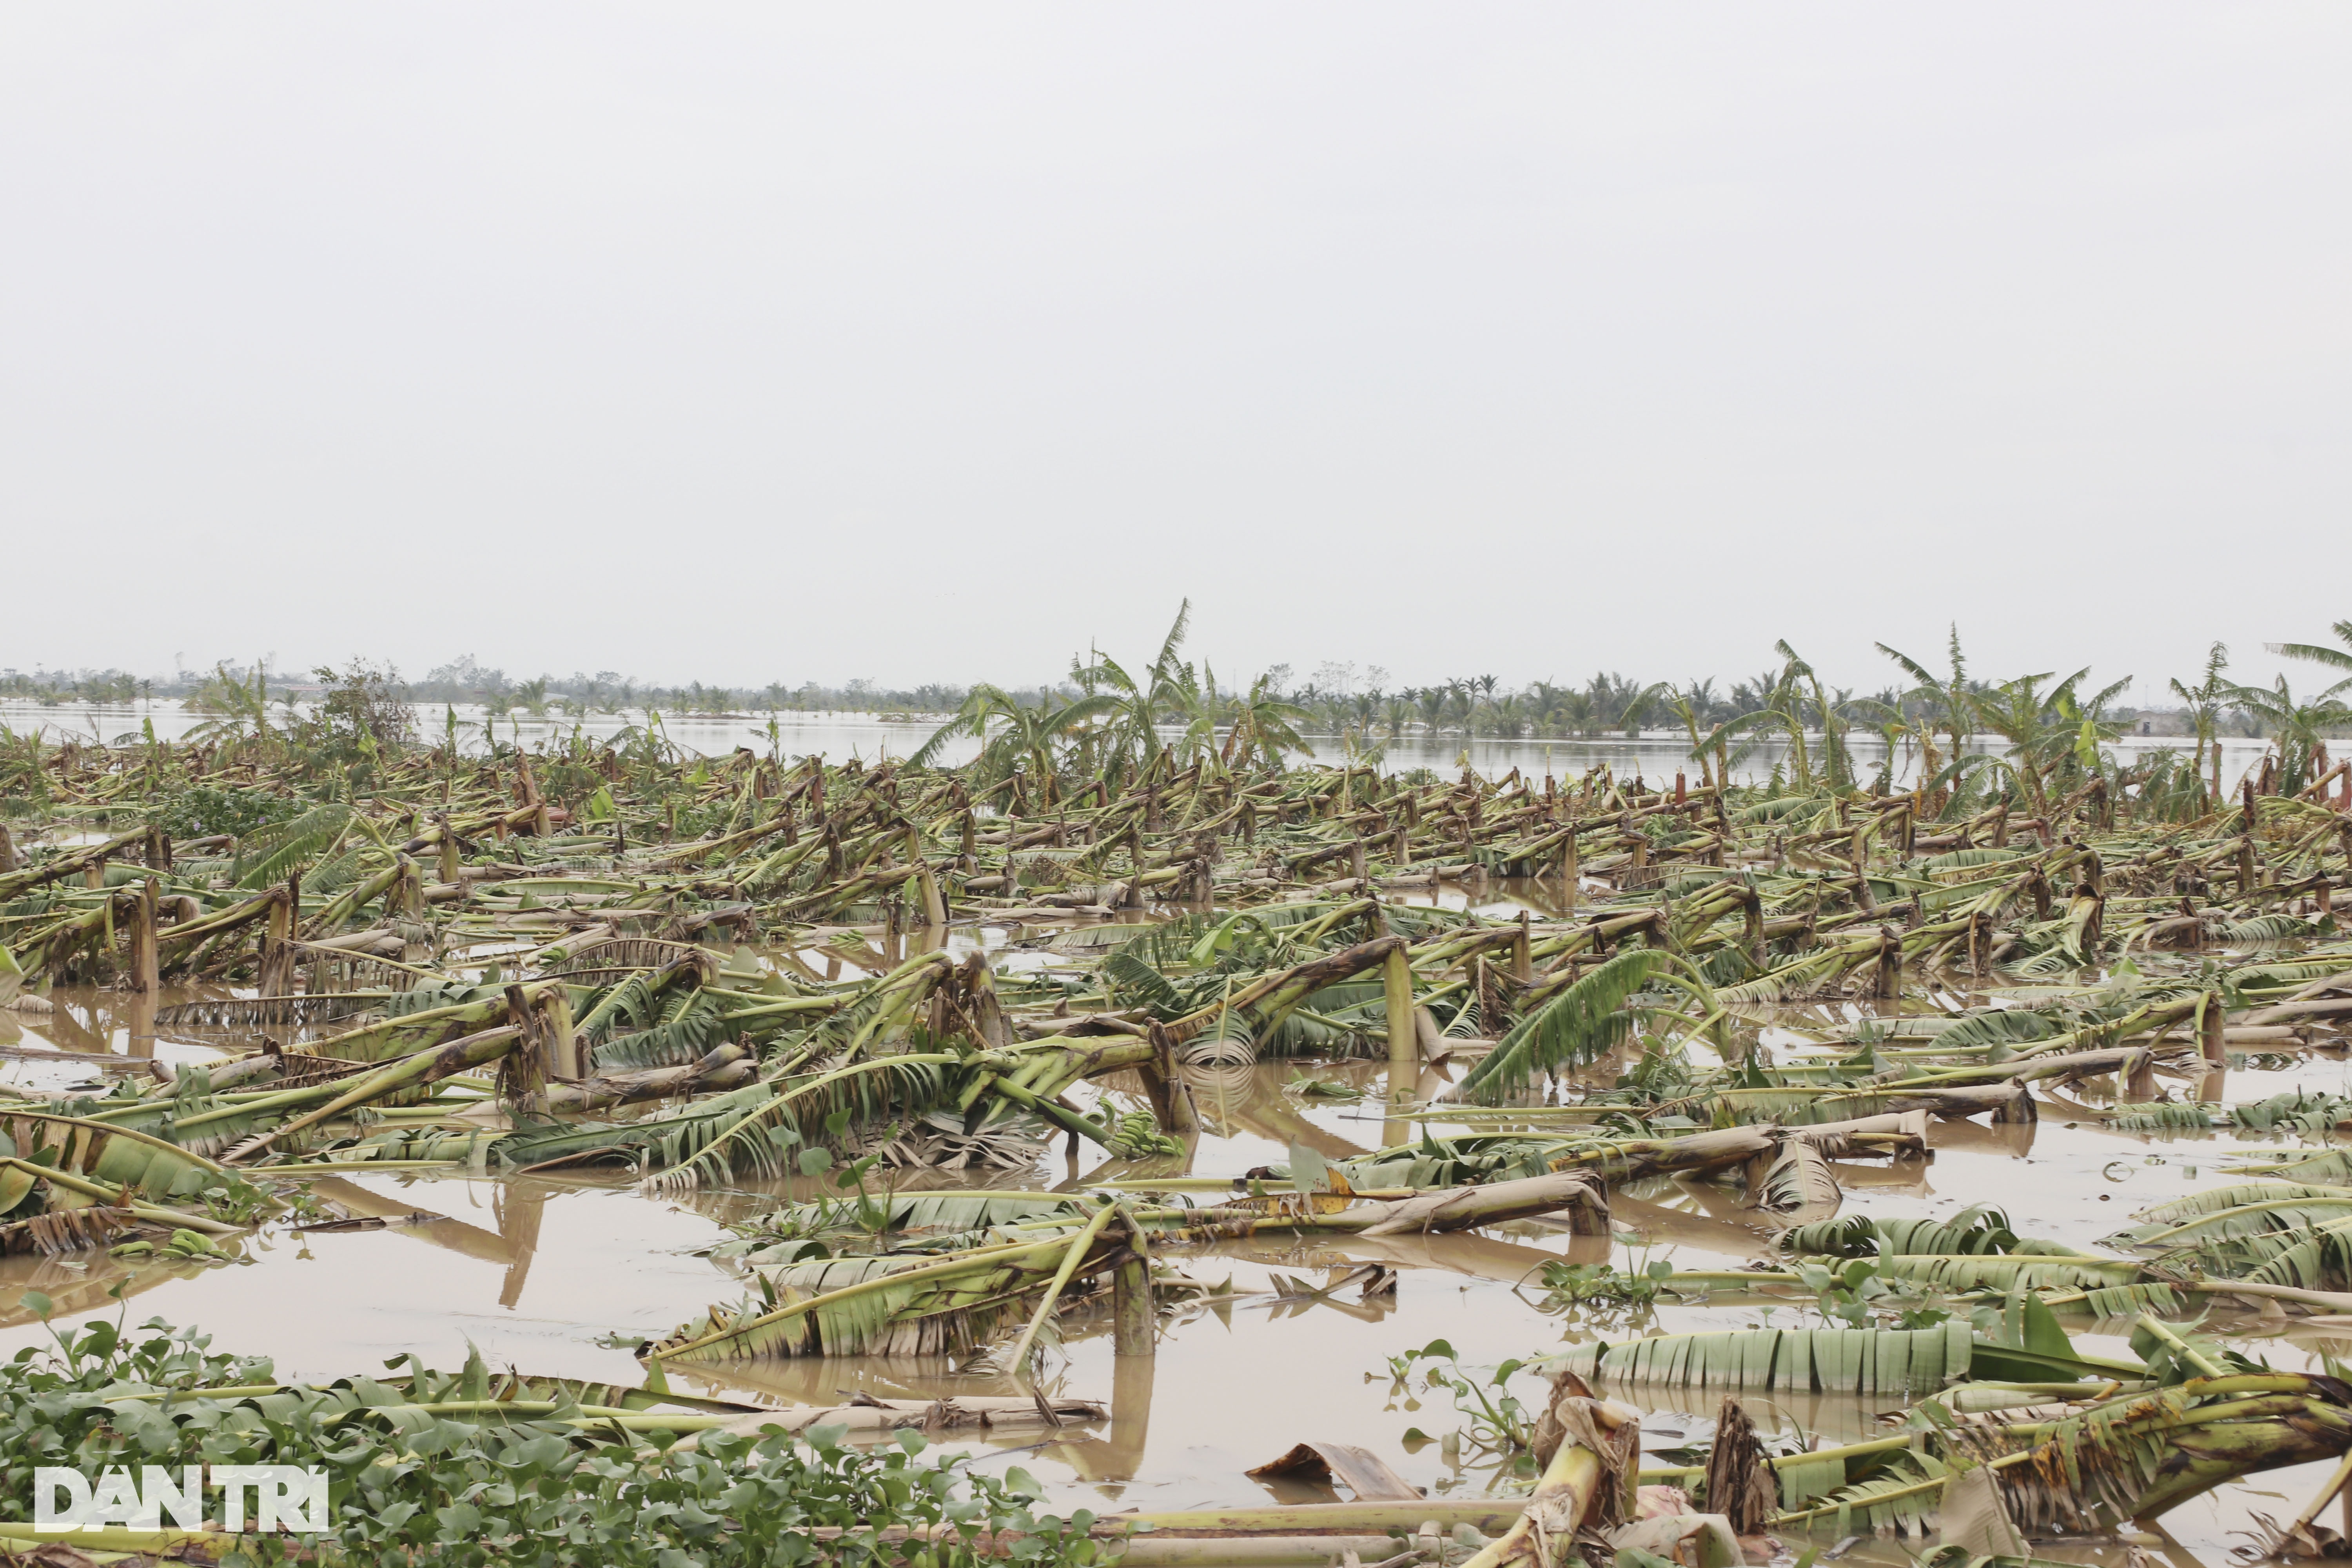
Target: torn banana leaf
1451,1162
1828,1361
2292,1210
949,1210
2213,1200
1976,1229
1799,1179
2027,1345
651,1143
1967,1272
64,1230
113,1156
463,1145
2310,1257
890,1305
2140,1457
755,1142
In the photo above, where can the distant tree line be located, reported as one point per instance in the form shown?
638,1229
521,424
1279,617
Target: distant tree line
1336,700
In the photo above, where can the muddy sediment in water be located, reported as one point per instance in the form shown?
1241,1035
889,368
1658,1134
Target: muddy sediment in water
1199,976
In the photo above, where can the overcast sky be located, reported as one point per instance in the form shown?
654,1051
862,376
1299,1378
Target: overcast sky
752,342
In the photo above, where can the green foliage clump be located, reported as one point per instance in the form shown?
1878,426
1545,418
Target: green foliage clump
1854,1294
1494,1419
413,1481
200,811
1591,1284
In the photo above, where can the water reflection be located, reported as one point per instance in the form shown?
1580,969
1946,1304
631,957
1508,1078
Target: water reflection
559,1277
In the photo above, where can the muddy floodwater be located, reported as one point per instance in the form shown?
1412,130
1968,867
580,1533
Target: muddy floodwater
1313,1105
565,1277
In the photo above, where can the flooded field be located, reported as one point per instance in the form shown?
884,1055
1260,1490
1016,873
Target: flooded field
875,738
1303,1105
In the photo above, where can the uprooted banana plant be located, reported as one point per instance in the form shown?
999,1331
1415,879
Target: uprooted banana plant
715,972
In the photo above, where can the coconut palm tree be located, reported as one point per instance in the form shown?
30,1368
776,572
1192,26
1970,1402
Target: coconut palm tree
1546,698
1430,700
1460,703
1507,717
1637,706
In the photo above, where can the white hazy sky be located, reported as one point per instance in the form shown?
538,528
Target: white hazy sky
761,342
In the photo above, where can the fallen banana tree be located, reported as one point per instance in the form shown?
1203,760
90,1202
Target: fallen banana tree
893,1304
489,959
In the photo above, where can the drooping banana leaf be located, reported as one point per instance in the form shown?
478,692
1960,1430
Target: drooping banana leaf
2004,1026
2215,1199
948,1210
2329,1168
2027,1345
114,1155
470,1146
1963,1273
2298,1109
1976,1229
2240,1219
2315,1258
1578,1027
755,1141
1799,1179
1795,978
888,1305
1905,1494
2161,1118
2263,928
1801,1482
1828,1361
269,854
264,1012
630,1002
651,1143
2128,1300
1453,1162
2308,1251
690,1026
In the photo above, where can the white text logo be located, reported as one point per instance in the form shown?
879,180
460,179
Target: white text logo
286,1497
